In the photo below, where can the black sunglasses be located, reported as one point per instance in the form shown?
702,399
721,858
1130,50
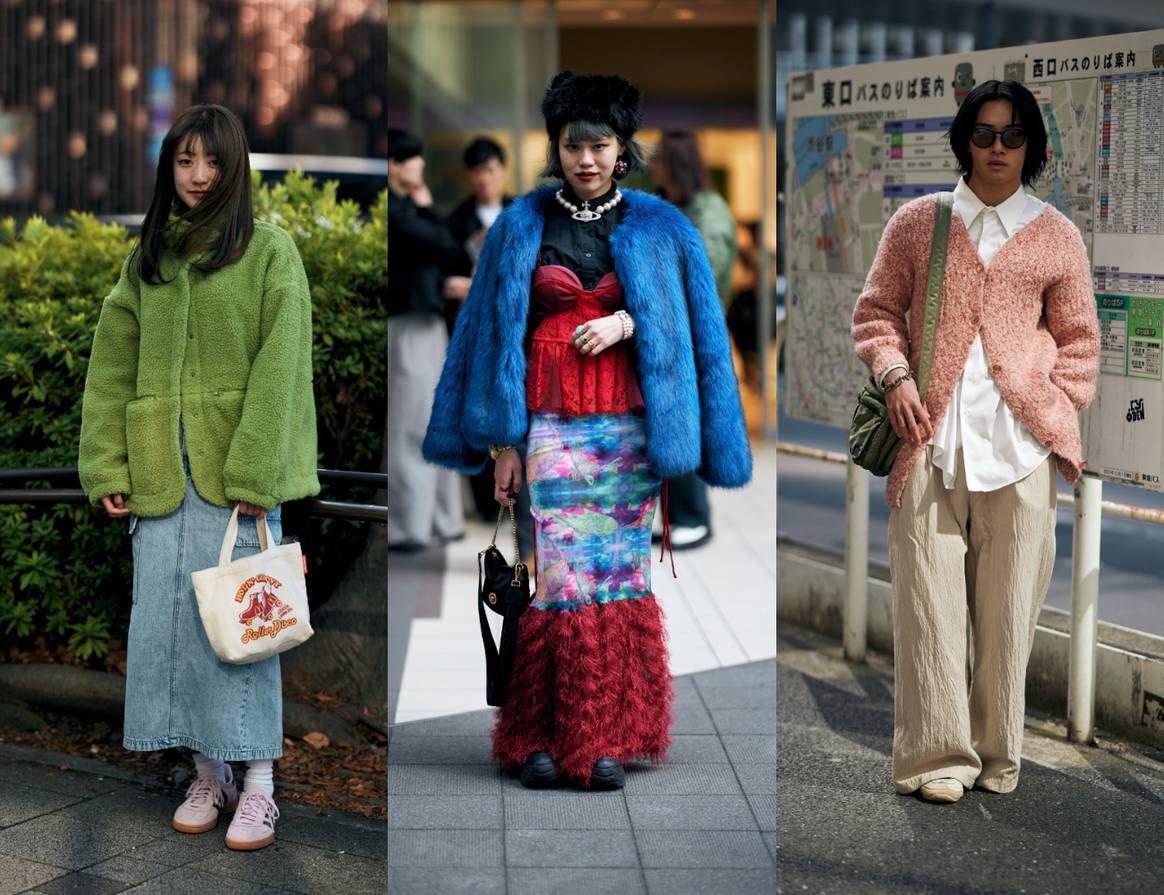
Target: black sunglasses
983,136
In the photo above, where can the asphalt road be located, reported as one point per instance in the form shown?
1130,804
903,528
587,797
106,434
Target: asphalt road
811,510
1084,819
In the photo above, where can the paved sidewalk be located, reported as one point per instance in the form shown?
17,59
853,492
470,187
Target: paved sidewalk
1083,819
90,829
703,822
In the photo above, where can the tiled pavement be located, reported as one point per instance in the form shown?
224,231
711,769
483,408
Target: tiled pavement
92,831
703,822
1083,819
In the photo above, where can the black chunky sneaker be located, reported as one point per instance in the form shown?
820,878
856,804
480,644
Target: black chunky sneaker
539,771
607,774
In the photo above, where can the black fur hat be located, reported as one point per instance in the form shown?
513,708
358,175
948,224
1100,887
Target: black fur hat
601,99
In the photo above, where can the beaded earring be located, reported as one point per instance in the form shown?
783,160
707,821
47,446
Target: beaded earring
620,168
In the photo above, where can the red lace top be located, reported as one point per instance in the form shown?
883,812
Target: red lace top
560,379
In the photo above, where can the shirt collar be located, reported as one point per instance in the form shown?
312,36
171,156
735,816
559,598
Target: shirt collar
969,206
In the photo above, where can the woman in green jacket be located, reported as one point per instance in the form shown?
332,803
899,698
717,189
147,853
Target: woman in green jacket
198,399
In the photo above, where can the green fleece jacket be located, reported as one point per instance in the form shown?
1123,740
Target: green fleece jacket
226,355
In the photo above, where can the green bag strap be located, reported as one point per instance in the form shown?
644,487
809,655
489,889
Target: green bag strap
934,288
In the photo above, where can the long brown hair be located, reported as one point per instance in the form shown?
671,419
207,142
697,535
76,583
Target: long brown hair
681,159
225,216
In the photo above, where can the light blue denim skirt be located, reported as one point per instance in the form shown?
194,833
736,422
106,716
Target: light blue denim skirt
177,691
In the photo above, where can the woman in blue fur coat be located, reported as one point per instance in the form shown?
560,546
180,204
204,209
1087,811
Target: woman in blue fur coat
593,340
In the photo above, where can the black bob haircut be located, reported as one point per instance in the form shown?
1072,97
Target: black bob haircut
1025,111
482,150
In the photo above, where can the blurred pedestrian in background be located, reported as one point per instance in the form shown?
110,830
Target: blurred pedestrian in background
678,170
424,502
579,341
486,173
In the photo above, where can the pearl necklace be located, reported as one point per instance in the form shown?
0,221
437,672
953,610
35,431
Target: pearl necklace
586,213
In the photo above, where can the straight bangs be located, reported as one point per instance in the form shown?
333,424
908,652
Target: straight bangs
591,132
588,132
219,228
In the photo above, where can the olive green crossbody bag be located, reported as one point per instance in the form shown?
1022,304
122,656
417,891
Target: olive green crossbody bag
873,444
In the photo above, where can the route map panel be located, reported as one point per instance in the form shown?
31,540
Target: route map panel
862,141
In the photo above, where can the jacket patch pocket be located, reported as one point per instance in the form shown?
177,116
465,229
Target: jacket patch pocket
151,444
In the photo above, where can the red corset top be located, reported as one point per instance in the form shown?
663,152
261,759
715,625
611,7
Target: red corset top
560,379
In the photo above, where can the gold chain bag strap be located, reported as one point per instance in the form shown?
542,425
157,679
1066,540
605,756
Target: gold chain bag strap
504,588
873,444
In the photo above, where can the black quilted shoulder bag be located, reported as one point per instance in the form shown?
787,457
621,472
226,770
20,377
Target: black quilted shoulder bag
504,588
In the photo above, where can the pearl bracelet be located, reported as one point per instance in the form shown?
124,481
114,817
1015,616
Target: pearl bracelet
628,323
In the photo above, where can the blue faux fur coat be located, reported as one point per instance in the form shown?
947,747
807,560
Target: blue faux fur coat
693,416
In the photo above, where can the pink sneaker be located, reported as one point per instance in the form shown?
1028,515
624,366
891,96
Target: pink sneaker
254,822
205,797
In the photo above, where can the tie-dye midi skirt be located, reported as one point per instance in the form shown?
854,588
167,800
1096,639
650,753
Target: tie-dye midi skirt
591,677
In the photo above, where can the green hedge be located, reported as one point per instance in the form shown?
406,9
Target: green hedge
65,571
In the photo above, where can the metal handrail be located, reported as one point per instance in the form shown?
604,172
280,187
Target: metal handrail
1107,507
69,474
368,512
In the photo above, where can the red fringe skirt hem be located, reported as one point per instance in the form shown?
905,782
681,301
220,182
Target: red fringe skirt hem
587,684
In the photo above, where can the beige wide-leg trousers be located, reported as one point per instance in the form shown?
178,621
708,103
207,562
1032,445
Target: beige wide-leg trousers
960,558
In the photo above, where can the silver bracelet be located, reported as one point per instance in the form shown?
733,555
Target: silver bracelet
628,323
896,382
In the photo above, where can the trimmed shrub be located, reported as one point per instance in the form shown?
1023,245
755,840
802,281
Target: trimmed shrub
65,570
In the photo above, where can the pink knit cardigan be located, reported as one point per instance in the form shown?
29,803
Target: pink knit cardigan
1033,306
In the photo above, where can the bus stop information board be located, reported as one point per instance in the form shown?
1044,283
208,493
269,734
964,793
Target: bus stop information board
863,140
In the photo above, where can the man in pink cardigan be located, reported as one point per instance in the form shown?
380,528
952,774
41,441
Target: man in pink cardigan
972,491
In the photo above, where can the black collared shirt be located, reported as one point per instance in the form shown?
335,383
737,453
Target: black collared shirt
582,246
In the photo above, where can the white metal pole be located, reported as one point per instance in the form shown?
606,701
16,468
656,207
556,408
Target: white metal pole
1084,610
856,561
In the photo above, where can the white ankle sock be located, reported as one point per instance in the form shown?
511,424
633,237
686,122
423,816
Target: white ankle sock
210,767
260,777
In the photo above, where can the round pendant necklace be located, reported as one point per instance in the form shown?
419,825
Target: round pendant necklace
586,213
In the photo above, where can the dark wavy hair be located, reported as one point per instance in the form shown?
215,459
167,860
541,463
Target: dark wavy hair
1024,110
223,220
679,154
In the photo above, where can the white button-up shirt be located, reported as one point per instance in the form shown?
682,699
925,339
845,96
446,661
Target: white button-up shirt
997,448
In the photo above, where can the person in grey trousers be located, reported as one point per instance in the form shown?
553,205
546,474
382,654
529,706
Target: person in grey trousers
424,501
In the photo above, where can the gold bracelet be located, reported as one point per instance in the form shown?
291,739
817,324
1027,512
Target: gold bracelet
496,450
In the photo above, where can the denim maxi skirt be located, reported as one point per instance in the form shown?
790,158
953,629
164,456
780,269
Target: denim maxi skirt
177,691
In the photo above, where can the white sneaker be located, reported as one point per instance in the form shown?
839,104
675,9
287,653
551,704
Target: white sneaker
205,797
684,538
254,822
944,789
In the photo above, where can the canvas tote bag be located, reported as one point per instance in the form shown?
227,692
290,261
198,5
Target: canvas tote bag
255,607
